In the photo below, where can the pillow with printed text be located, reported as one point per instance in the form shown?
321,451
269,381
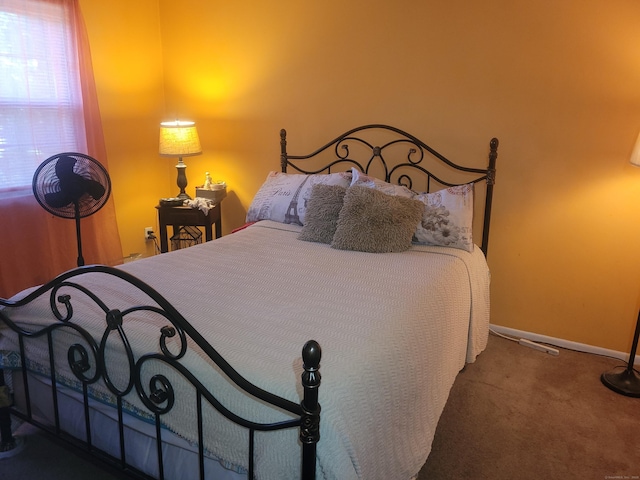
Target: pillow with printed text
283,197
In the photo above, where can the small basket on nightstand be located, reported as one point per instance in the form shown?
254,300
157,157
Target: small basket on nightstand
216,195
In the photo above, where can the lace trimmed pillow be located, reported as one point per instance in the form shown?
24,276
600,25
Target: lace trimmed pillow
448,218
283,197
360,179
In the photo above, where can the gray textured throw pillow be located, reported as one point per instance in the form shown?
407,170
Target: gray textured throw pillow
372,221
323,208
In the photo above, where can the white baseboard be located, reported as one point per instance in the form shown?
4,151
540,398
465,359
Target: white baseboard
559,342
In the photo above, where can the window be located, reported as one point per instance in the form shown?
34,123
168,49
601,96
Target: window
40,92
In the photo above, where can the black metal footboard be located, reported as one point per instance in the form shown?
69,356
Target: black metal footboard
89,361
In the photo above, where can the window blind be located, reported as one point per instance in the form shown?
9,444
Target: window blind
40,92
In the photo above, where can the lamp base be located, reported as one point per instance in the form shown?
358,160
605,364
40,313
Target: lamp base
626,382
182,180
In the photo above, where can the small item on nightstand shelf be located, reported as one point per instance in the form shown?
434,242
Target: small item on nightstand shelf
208,182
211,190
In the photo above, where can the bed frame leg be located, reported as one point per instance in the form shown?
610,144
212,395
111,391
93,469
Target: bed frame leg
310,425
7,442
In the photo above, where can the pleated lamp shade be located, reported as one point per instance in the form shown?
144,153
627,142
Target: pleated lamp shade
179,139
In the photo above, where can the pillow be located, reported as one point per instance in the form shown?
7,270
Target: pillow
447,218
372,221
359,178
322,213
283,197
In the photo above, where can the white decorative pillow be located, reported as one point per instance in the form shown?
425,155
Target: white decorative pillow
360,179
447,218
283,197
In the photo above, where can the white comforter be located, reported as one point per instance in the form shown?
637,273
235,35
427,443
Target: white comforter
395,329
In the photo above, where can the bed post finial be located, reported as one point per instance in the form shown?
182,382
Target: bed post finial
310,421
493,156
283,150
491,180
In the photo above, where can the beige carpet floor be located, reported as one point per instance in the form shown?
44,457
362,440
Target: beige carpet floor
518,413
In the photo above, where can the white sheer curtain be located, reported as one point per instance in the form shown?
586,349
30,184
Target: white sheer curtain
48,105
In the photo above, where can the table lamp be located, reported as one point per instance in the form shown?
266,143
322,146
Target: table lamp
179,139
627,381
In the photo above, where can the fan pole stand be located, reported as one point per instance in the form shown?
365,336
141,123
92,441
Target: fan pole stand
626,382
78,236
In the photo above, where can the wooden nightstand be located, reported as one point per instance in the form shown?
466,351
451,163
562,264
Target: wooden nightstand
186,216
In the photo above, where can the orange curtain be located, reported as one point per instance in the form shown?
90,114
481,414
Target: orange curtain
36,246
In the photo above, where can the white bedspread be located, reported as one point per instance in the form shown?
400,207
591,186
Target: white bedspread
395,329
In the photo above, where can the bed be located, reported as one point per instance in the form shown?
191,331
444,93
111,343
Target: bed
319,341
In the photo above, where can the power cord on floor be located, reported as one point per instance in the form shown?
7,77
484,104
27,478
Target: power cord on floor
152,236
528,343
547,348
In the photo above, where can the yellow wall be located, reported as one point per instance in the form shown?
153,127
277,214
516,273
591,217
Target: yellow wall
557,82
127,61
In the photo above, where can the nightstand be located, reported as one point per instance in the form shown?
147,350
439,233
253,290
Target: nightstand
186,216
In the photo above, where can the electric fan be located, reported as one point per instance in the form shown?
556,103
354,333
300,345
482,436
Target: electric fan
72,185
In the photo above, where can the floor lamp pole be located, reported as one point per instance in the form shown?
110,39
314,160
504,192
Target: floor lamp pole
626,382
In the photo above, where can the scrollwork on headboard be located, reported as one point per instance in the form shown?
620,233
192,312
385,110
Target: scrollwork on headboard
398,158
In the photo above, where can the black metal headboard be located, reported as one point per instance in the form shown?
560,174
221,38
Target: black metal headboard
397,157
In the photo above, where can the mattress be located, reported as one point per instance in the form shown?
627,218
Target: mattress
395,329
180,456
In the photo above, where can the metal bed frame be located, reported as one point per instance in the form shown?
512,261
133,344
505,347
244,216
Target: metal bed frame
89,365
401,172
